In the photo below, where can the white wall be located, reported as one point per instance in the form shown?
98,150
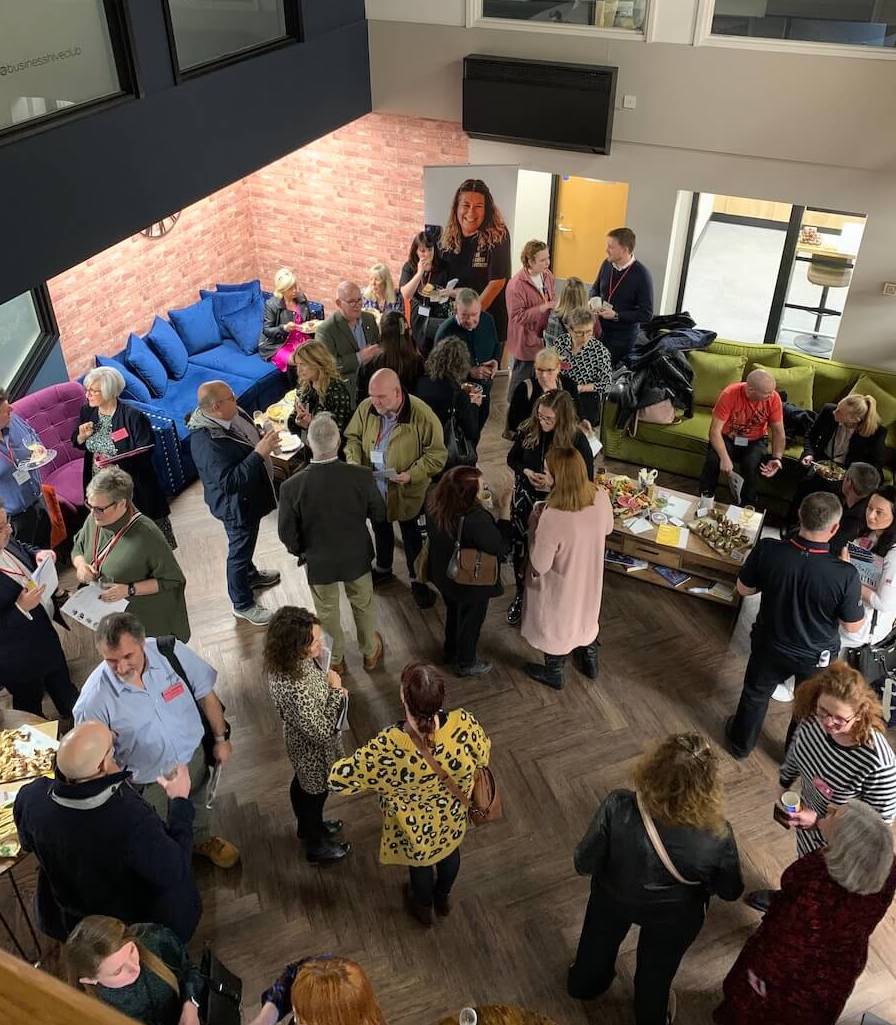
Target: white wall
798,129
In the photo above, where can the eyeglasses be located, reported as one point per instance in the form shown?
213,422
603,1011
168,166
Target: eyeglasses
838,722
102,508
93,391
353,302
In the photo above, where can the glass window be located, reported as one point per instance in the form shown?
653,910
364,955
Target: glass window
53,54
625,14
848,22
206,31
20,329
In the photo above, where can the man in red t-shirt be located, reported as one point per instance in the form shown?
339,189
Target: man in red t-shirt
742,417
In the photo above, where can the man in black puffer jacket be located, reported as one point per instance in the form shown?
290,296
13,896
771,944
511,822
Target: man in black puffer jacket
101,849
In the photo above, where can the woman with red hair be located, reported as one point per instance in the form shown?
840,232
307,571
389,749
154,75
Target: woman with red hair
322,990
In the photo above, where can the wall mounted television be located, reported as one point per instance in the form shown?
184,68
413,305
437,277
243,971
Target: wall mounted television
539,103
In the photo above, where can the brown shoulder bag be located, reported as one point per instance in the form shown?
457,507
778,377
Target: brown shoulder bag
484,803
470,566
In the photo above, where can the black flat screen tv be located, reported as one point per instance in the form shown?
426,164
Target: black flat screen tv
539,103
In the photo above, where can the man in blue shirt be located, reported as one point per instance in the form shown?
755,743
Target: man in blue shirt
477,329
20,489
153,710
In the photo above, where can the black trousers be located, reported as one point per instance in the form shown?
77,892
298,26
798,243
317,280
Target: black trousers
435,880
666,933
463,624
745,457
309,812
765,670
384,542
28,683
32,525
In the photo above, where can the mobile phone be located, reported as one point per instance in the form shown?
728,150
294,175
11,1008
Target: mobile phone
781,817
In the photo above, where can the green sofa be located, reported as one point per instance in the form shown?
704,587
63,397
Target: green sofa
680,448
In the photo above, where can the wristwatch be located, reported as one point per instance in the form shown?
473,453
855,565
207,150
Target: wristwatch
219,739
132,590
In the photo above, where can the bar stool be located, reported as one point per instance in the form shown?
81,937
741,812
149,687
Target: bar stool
828,272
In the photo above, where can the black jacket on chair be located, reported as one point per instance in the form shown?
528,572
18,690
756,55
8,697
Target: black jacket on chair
148,495
480,531
617,853
276,314
323,519
861,450
103,851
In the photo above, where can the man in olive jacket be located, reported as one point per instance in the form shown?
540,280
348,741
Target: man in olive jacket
400,438
351,335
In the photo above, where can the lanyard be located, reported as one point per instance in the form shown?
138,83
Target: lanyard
99,557
14,571
810,551
10,455
611,288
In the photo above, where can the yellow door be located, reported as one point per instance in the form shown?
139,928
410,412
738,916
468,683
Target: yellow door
586,211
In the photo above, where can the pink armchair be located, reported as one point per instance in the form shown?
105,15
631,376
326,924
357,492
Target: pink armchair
53,413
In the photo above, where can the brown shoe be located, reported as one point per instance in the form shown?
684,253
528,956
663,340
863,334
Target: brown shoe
338,667
372,661
421,912
219,852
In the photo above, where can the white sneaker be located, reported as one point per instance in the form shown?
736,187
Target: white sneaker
783,692
255,614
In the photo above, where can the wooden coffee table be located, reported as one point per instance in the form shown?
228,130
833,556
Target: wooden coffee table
706,568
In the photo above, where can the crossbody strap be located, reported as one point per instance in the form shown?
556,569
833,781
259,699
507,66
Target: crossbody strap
165,645
437,769
460,530
658,845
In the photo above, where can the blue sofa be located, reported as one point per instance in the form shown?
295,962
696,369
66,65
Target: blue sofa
214,339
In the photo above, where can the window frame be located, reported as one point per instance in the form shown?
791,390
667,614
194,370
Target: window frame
704,36
130,87
476,19
41,347
293,33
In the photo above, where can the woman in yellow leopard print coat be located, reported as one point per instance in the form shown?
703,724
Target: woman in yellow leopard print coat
423,823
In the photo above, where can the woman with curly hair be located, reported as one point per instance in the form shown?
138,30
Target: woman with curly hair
321,389
321,990
423,822
664,883
311,704
475,247
398,353
448,392
554,421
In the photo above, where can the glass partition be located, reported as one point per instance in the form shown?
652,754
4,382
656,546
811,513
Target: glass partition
209,31
621,14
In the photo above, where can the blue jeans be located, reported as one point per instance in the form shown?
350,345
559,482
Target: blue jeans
241,570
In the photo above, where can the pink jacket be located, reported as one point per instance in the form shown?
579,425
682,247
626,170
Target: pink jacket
525,322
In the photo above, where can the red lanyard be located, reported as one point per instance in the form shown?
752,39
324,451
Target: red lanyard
611,288
12,571
810,551
99,557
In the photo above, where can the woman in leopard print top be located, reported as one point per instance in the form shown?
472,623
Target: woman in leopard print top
311,704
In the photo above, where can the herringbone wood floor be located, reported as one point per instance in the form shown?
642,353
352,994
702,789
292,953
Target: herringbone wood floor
668,663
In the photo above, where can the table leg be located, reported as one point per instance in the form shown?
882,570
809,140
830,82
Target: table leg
27,916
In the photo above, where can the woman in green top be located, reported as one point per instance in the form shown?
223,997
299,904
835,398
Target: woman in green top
128,554
141,970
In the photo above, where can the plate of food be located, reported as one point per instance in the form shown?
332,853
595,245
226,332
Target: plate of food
431,294
626,497
722,535
278,411
308,327
9,836
40,456
26,753
830,471
289,442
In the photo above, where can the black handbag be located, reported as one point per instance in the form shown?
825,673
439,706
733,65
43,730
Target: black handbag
166,647
223,994
461,451
877,663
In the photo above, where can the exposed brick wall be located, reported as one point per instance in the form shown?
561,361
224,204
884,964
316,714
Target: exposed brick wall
348,200
330,210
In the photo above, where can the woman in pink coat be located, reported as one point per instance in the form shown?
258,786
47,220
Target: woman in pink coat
531,295
561,604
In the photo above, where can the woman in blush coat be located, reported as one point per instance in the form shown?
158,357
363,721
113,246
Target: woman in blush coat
564,581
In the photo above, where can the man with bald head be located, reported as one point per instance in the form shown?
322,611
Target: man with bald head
742,418
100,848
400,438
351,334
234,464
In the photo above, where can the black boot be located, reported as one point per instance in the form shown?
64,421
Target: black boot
515,610
327,852
585,659
550,674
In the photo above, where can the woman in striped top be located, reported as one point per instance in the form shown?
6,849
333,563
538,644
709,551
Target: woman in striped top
839,751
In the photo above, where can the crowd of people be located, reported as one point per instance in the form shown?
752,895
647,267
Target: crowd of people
391,400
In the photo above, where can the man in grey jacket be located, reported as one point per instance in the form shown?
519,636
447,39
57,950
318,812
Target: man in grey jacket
323,520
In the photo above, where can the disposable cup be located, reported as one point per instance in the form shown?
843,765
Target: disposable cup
790,801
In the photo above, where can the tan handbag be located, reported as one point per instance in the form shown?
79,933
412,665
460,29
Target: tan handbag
471,567
484,803
659,846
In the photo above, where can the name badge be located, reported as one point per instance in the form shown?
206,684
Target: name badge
739,441
377,459
120,434
826,792
423,311
174,691
21,477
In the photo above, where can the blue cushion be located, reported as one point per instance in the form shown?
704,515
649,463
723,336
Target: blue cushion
166,344
146,365
227,302
134,388
246,286
244,325
196,326
227,358
180,399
